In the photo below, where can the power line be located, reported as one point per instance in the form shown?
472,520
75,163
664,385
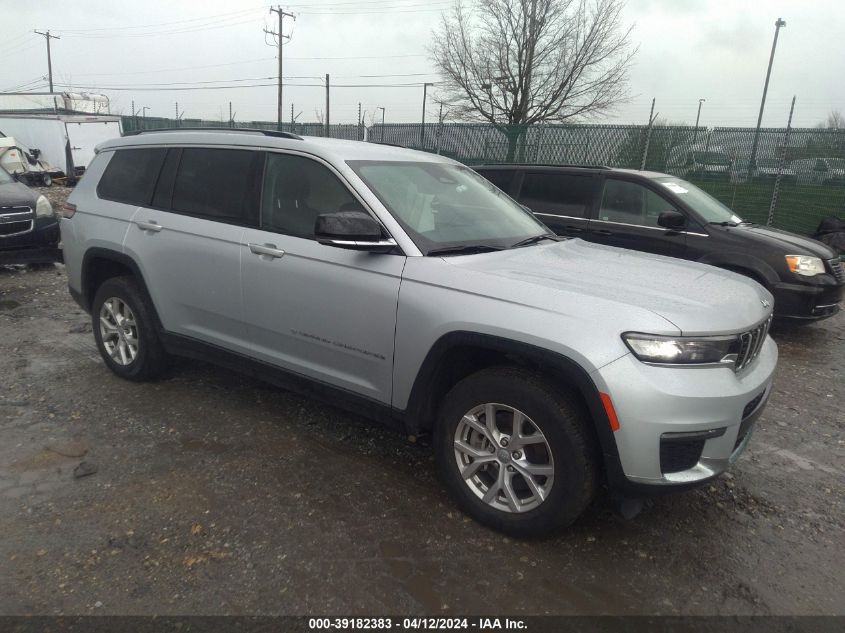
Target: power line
264,85
145,26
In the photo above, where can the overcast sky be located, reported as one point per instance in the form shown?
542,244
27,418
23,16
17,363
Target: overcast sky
689,49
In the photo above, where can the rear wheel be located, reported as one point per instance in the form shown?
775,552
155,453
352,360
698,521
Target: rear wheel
514,453
125,331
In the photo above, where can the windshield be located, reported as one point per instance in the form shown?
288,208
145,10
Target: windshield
443,205
710,209
5,178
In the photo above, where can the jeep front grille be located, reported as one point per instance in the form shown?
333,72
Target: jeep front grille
837,269
750,344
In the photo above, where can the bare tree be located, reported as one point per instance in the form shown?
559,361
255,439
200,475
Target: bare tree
517,62
835,120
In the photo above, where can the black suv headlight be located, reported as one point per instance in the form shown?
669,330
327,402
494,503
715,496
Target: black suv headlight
43,208
683,350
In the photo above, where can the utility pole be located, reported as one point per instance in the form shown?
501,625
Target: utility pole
48,37
360,123
328,129
697,117
177,114
752,163
231,120
782,157
382,124
282,14
134,116
651,117
422,128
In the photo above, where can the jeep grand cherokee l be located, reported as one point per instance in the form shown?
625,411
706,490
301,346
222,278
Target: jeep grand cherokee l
404,286
662,214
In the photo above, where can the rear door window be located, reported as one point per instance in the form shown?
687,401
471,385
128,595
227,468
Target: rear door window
218,184
502,178
567,195
131,175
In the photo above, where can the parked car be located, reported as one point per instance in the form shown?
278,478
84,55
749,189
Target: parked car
699,162
819,171
404,286
29,229
662,214
766,169
25,165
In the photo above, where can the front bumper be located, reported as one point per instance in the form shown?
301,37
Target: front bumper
655,403
39,244
808,302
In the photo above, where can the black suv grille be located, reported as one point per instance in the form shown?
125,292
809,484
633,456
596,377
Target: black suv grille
837,270
750,344
15,221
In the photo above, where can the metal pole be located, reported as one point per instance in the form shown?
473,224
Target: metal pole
382,124
360,123
328,129
752,163
422,127
776,190
697,118
439,127
648,135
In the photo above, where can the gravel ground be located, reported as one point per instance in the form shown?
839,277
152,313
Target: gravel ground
211,493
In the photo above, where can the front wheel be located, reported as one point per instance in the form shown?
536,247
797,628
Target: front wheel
515,453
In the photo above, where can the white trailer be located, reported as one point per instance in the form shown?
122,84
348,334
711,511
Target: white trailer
66,141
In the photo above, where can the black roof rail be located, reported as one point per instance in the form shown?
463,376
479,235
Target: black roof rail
499,165
248,130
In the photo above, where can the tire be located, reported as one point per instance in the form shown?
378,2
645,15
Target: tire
129,311
569,452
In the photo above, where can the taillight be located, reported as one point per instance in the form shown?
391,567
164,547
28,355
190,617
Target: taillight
68,210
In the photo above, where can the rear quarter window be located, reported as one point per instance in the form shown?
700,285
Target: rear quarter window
561,194
131,175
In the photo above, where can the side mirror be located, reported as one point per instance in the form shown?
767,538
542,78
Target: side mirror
354,230
672,220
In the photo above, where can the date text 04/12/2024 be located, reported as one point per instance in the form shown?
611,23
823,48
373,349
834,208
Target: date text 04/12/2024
415,624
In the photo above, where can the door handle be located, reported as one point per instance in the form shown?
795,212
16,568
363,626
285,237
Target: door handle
602,232
573,229
152,225
266,249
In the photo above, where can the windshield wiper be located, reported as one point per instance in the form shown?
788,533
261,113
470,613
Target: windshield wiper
464,249
536,238
725,223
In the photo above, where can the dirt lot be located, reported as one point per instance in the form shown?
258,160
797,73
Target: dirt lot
214,494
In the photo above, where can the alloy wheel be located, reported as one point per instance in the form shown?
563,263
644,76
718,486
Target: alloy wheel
119,331
504,458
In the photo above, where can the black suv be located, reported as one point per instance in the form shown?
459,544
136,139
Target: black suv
29,228
659,213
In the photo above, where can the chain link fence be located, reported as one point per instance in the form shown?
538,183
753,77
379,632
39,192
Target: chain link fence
789,178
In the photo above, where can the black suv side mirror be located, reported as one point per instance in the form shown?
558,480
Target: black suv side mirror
354,230
672,220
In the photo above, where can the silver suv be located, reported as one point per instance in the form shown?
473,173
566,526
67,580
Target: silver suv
404,286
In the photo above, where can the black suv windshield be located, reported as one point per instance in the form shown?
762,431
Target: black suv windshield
710,209
442,205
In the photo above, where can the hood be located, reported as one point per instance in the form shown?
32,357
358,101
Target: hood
790,243
16,194
695,298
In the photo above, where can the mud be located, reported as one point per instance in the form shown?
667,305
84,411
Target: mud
212,493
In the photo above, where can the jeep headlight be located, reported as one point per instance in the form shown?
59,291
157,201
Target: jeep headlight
805,265
43,207
682,350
